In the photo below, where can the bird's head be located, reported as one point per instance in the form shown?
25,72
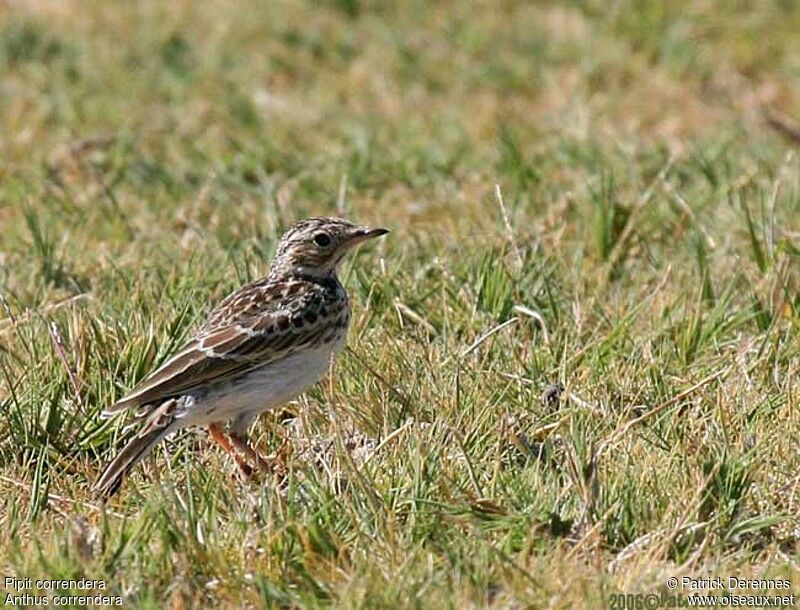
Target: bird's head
316,246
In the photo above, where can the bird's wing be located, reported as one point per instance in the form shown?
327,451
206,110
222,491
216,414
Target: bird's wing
222,352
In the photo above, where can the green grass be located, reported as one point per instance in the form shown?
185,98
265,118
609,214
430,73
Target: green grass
645,254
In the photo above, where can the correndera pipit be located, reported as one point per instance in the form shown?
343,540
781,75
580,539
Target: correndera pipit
260,347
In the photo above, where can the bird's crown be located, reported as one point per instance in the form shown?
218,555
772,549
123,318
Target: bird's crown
316,246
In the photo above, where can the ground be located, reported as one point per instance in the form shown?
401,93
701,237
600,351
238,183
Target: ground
600,194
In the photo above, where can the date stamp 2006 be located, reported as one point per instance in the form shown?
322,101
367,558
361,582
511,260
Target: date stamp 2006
713,592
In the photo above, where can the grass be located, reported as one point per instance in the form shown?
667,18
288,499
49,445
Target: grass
579,193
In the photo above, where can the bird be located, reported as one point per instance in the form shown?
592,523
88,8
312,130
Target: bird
260,347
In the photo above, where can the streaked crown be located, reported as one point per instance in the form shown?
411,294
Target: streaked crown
317,245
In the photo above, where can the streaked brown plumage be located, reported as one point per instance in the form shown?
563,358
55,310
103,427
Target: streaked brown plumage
261,346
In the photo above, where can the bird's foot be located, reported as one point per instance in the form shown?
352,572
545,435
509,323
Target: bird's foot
219,437
272,464
248,459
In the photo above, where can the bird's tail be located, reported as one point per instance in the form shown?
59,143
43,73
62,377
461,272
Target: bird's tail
139,446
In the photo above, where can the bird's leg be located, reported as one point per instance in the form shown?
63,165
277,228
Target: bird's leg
219,437
239,435
240,443
239,438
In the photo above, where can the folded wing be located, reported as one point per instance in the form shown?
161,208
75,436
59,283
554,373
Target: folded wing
223,353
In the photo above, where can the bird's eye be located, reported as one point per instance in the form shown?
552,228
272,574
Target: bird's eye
323,240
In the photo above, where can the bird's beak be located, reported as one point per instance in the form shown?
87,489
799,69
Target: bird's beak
362,234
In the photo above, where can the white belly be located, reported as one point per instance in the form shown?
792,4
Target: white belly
264,388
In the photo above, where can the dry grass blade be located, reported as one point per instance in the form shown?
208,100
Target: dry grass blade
623,431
